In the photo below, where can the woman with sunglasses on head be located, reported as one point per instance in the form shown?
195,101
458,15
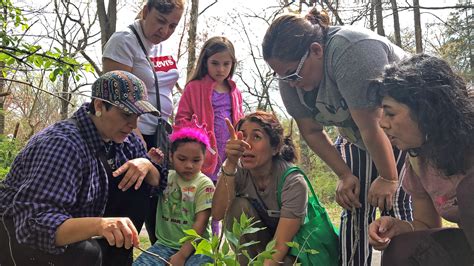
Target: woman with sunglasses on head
427,112
324,74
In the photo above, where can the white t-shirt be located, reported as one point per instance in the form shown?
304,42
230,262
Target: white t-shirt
123,47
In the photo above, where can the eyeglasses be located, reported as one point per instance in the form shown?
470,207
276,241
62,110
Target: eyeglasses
294,77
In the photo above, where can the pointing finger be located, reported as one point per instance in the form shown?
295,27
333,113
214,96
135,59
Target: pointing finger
231,129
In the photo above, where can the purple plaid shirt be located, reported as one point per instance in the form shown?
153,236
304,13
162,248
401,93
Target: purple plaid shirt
57,176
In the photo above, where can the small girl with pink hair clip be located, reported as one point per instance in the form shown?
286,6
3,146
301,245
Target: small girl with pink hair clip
186,202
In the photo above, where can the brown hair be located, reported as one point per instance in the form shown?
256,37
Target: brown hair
211,47
289,36
273,128
165,6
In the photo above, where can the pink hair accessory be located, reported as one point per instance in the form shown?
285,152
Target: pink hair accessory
190,133
193,128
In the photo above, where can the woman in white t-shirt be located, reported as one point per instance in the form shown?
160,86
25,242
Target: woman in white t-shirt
123,51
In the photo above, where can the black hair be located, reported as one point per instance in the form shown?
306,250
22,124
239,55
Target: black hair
91,106
289,36
438,101
273,128
175,144
165,6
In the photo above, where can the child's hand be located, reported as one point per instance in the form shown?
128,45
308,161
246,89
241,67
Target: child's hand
156,155
235,146
177,259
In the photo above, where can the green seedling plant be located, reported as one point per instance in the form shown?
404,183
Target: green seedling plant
219,248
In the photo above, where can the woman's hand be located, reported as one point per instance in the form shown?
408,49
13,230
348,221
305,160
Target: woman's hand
347,192
119,232
381,193
235,146
382,230
135,172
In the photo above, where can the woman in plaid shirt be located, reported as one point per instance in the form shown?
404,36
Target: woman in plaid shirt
72,174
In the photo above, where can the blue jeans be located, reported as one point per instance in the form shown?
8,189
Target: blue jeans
166,253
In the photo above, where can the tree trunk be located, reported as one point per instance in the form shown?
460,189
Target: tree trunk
371,16
192,33
379,17
2,82
65,95
107,20
2,101
418,37
396,23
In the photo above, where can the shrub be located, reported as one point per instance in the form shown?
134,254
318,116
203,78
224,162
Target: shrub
9,148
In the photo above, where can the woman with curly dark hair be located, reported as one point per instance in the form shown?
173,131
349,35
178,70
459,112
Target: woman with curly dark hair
427,112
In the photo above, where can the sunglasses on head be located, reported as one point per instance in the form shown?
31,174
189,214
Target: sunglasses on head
294,77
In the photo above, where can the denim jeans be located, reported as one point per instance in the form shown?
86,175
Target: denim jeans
166,253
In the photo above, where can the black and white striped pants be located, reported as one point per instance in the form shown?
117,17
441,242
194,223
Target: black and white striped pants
362,166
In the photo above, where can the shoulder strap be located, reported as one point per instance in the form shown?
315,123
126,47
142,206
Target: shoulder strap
158,103
282,181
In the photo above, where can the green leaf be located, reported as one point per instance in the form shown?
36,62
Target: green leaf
230,261
225,248
265,255
243,219
311,251
232,238
270,245
191,232
38,61
4,57
47,63
89,68
186,239
250,243
10,61
52,77
204,248
293,245
246,254
236,228
252,230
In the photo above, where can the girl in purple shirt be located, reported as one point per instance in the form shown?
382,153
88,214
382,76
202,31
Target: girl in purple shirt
209,97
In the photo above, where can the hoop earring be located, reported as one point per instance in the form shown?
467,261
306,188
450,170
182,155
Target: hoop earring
98,113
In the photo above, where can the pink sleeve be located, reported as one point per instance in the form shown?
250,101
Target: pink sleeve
411,182
239,113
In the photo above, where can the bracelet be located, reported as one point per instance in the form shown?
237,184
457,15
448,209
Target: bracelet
411,225
228,174
388,180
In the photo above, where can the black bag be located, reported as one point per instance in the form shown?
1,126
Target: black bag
163,128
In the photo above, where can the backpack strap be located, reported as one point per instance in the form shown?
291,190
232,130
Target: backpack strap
282,181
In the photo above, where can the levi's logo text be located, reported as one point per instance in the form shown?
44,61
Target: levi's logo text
163,63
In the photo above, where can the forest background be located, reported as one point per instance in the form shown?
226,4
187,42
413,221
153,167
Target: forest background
50,53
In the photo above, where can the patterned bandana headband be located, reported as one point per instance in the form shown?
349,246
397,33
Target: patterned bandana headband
190,133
